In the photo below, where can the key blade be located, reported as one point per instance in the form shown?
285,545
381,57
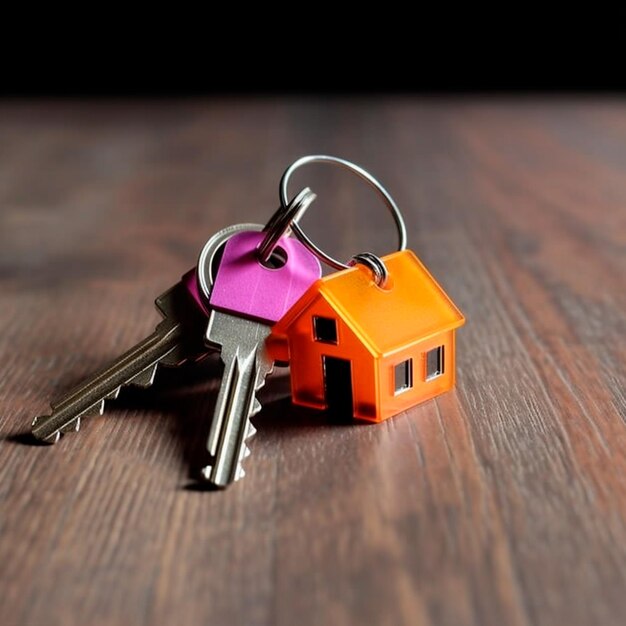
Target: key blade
72,427
179,334
246,365
144,379
240,340
226,406
90,396
233,415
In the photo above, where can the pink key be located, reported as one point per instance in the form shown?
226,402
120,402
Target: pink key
246,300
245,287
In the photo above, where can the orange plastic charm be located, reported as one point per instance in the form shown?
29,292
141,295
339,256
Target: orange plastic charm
358,349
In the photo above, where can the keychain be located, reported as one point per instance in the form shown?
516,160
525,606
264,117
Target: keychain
246,278
369,341
373,339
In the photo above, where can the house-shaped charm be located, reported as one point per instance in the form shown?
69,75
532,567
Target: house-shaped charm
370,352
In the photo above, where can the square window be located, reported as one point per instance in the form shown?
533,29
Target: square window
434,363
403,376
325,329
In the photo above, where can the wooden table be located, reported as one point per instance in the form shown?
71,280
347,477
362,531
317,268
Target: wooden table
503,502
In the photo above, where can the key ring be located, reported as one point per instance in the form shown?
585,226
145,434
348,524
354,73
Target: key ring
374,263
361,173
277,226
282,220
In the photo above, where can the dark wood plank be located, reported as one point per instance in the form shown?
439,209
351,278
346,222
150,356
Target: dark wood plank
501,503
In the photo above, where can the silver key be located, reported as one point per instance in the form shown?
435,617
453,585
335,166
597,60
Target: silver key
177,339
247,298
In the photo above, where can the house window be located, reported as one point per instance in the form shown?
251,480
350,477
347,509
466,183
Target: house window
403,376
325,329
434,363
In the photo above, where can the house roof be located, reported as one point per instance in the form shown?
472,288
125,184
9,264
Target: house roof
413,308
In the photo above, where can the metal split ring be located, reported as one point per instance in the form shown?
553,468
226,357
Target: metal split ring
275,228
287,216
282,220
361,173
374,263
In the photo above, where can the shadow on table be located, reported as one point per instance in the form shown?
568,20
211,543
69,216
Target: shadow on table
188,395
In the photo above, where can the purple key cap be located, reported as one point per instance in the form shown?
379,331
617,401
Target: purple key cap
245,287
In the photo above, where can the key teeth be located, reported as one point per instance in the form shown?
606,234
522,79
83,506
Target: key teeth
144,378
72,427
250,431
175,358
96,409
86,400
114,394
51,439
240,473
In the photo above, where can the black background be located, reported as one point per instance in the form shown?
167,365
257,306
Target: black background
317,48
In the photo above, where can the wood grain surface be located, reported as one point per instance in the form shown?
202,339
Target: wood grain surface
503,502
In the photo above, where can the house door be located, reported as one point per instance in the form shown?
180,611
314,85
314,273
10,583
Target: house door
338,387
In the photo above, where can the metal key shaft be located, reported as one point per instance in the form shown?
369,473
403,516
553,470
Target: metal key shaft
170,344
246,366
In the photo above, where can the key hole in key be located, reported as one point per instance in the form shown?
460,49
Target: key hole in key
277,259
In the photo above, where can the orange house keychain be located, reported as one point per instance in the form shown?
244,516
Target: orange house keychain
373,339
